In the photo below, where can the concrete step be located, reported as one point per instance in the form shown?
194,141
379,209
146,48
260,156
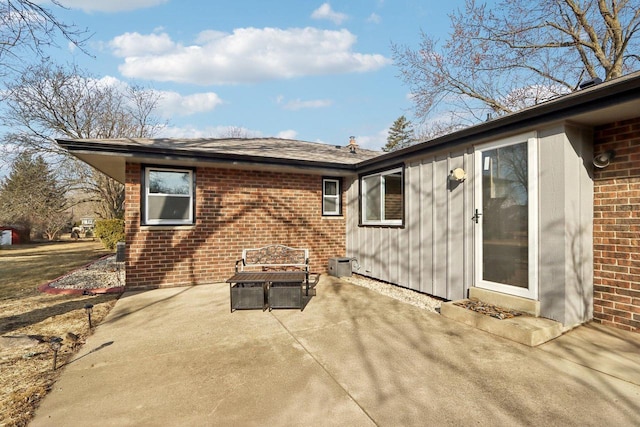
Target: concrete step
526,329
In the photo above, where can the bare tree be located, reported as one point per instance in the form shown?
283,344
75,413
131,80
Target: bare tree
520,53
435,128
28,26
48,102
234,132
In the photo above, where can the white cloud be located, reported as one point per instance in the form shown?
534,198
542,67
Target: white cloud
375,141
173,104
136,44
325,12
170,103
287,134
107,81
110,5
298,104
374,18
248,55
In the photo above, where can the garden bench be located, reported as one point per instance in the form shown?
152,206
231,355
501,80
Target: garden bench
272,276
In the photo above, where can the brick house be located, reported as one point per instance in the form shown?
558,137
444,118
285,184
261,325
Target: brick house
616,224
513,206
224,195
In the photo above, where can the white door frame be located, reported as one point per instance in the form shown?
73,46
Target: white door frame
532,189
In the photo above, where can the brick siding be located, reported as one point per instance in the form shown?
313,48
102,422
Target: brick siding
617,227
235,209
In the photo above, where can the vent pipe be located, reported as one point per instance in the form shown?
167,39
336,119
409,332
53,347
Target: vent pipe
591,82
353,147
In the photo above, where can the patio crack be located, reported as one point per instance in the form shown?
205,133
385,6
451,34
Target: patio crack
323,367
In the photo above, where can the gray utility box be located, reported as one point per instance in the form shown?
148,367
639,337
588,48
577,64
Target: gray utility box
120,246
340,267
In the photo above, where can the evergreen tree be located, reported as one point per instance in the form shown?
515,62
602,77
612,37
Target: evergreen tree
31,196
401,135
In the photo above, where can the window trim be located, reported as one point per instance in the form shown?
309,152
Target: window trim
144,194
338,197
399,223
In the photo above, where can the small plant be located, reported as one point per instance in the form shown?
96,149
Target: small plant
110,232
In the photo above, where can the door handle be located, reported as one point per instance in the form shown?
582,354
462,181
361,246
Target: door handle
476,216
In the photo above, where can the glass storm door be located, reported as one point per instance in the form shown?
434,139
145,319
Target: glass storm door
505,202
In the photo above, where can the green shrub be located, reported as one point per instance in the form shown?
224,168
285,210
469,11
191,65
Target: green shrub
110,232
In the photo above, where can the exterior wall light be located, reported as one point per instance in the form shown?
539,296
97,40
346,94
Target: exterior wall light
457,175
603,160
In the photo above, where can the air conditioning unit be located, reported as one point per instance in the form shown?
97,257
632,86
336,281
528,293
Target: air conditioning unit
340,267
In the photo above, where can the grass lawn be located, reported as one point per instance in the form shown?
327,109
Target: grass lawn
27,372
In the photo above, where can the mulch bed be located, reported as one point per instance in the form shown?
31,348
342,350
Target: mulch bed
98,277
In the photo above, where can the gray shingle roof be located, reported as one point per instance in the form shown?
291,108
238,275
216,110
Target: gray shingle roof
262,148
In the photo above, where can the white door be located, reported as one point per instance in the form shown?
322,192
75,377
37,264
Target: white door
5,237
506,216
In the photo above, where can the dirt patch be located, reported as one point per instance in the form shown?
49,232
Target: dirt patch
30,319
28,368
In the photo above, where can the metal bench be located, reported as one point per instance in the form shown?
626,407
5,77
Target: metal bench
273,276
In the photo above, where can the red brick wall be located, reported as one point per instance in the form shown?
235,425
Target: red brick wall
234,210
617,227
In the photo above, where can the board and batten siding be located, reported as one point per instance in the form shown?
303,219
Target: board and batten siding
433,252
565,224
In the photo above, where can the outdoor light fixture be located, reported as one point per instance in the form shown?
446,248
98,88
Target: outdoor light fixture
89,309
458,175
55,343
603,160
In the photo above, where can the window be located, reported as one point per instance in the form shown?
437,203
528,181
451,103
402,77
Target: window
169,196
382,198
331,197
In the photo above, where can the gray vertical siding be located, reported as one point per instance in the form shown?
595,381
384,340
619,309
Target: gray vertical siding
566,231
432,253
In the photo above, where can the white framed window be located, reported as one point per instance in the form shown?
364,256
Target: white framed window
168,196
382,198
331,197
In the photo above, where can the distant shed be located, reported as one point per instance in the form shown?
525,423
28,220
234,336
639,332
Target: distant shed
10,235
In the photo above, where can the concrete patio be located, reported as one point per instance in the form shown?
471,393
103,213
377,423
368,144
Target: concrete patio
352,357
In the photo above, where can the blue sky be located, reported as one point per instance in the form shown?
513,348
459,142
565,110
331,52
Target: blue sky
309,70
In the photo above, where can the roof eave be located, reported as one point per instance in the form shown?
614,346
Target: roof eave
134,154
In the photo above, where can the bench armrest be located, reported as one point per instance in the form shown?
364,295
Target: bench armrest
238,262
315,280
